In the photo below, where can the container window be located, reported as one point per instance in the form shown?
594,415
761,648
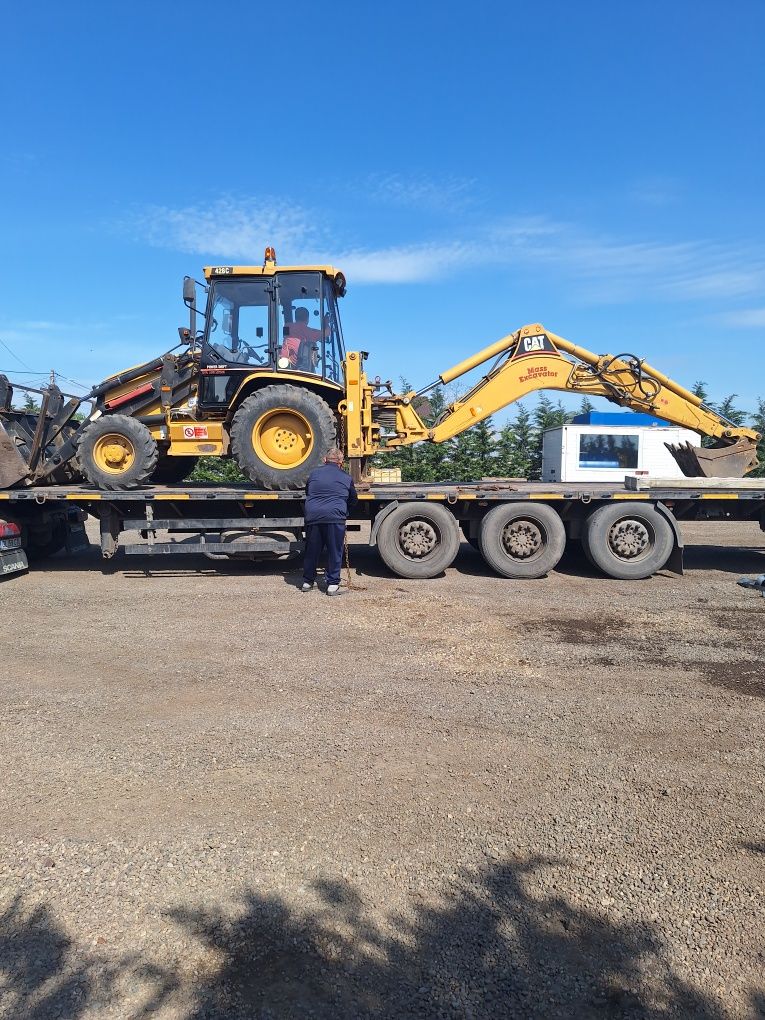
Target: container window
604,451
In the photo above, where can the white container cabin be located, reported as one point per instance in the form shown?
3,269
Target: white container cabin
603,446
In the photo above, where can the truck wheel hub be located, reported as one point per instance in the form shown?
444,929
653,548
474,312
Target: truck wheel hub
629,539
418,538
522,539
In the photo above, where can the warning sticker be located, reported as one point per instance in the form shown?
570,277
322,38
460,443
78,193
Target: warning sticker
195,432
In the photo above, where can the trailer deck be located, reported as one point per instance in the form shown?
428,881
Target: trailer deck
520,527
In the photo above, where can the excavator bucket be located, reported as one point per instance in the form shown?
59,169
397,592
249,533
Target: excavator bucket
732,461
13,467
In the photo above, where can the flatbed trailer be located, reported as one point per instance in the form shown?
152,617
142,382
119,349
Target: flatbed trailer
520,528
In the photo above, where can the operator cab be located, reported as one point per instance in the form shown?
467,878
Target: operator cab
276,321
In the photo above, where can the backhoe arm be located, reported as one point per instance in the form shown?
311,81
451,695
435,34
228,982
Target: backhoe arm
536,359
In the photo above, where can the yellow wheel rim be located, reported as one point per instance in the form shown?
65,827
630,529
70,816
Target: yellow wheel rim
114,453
282,438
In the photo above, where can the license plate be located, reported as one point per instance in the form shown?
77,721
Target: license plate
12,563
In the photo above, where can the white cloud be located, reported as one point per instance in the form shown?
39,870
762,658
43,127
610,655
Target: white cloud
655,192
748,318
404,264
420,191
229,229
601,268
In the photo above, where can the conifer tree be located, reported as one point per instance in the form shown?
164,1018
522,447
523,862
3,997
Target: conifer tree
586,406
758,423
727,408
515,446
474,454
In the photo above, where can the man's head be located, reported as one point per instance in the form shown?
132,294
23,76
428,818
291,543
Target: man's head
334,456
301,314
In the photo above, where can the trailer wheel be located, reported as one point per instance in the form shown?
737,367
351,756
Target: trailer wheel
522,539
280,434
117,452
418,540
627,542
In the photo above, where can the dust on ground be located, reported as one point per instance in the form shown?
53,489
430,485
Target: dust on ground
462,797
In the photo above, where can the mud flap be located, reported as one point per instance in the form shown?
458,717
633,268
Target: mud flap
379,518
13,468
675,560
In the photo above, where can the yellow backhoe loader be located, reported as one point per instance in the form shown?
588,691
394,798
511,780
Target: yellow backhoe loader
266,381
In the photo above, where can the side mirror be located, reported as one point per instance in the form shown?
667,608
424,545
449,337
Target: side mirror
189,290
259,332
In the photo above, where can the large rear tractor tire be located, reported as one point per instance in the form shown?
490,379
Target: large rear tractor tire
523,540
280,434
173,470
117,452
627,542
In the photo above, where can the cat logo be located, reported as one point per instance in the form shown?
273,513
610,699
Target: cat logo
537,343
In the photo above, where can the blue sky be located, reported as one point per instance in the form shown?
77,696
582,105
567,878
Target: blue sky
596,166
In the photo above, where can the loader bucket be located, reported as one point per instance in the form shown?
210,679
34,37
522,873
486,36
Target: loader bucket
732,461
13,467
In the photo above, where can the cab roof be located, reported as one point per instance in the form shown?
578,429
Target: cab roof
270,268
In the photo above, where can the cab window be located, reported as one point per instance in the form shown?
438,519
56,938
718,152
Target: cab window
237,323
333,339
300,333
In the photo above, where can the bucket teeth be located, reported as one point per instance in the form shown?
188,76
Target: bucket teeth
732,461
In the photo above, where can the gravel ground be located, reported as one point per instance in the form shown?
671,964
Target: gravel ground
465,797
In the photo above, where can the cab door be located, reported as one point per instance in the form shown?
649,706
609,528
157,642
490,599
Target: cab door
238,337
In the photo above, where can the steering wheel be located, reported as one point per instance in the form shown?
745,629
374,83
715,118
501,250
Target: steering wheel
252,351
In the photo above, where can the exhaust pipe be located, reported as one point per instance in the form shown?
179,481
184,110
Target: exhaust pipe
731,461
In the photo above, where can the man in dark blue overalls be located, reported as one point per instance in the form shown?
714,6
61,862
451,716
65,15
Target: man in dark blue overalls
330,496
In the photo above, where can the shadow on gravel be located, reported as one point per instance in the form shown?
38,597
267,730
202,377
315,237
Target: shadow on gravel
498,948
725,558
42,973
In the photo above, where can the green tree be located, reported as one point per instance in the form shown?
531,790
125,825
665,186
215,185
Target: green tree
474,455
434,460
420,462
29,404
758,423
699,389
515,445
546,415
727,408
221,470
586,406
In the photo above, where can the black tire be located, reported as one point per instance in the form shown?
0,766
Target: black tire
127,433
523,540
172,470
264,410
626,541
53,542
418,540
